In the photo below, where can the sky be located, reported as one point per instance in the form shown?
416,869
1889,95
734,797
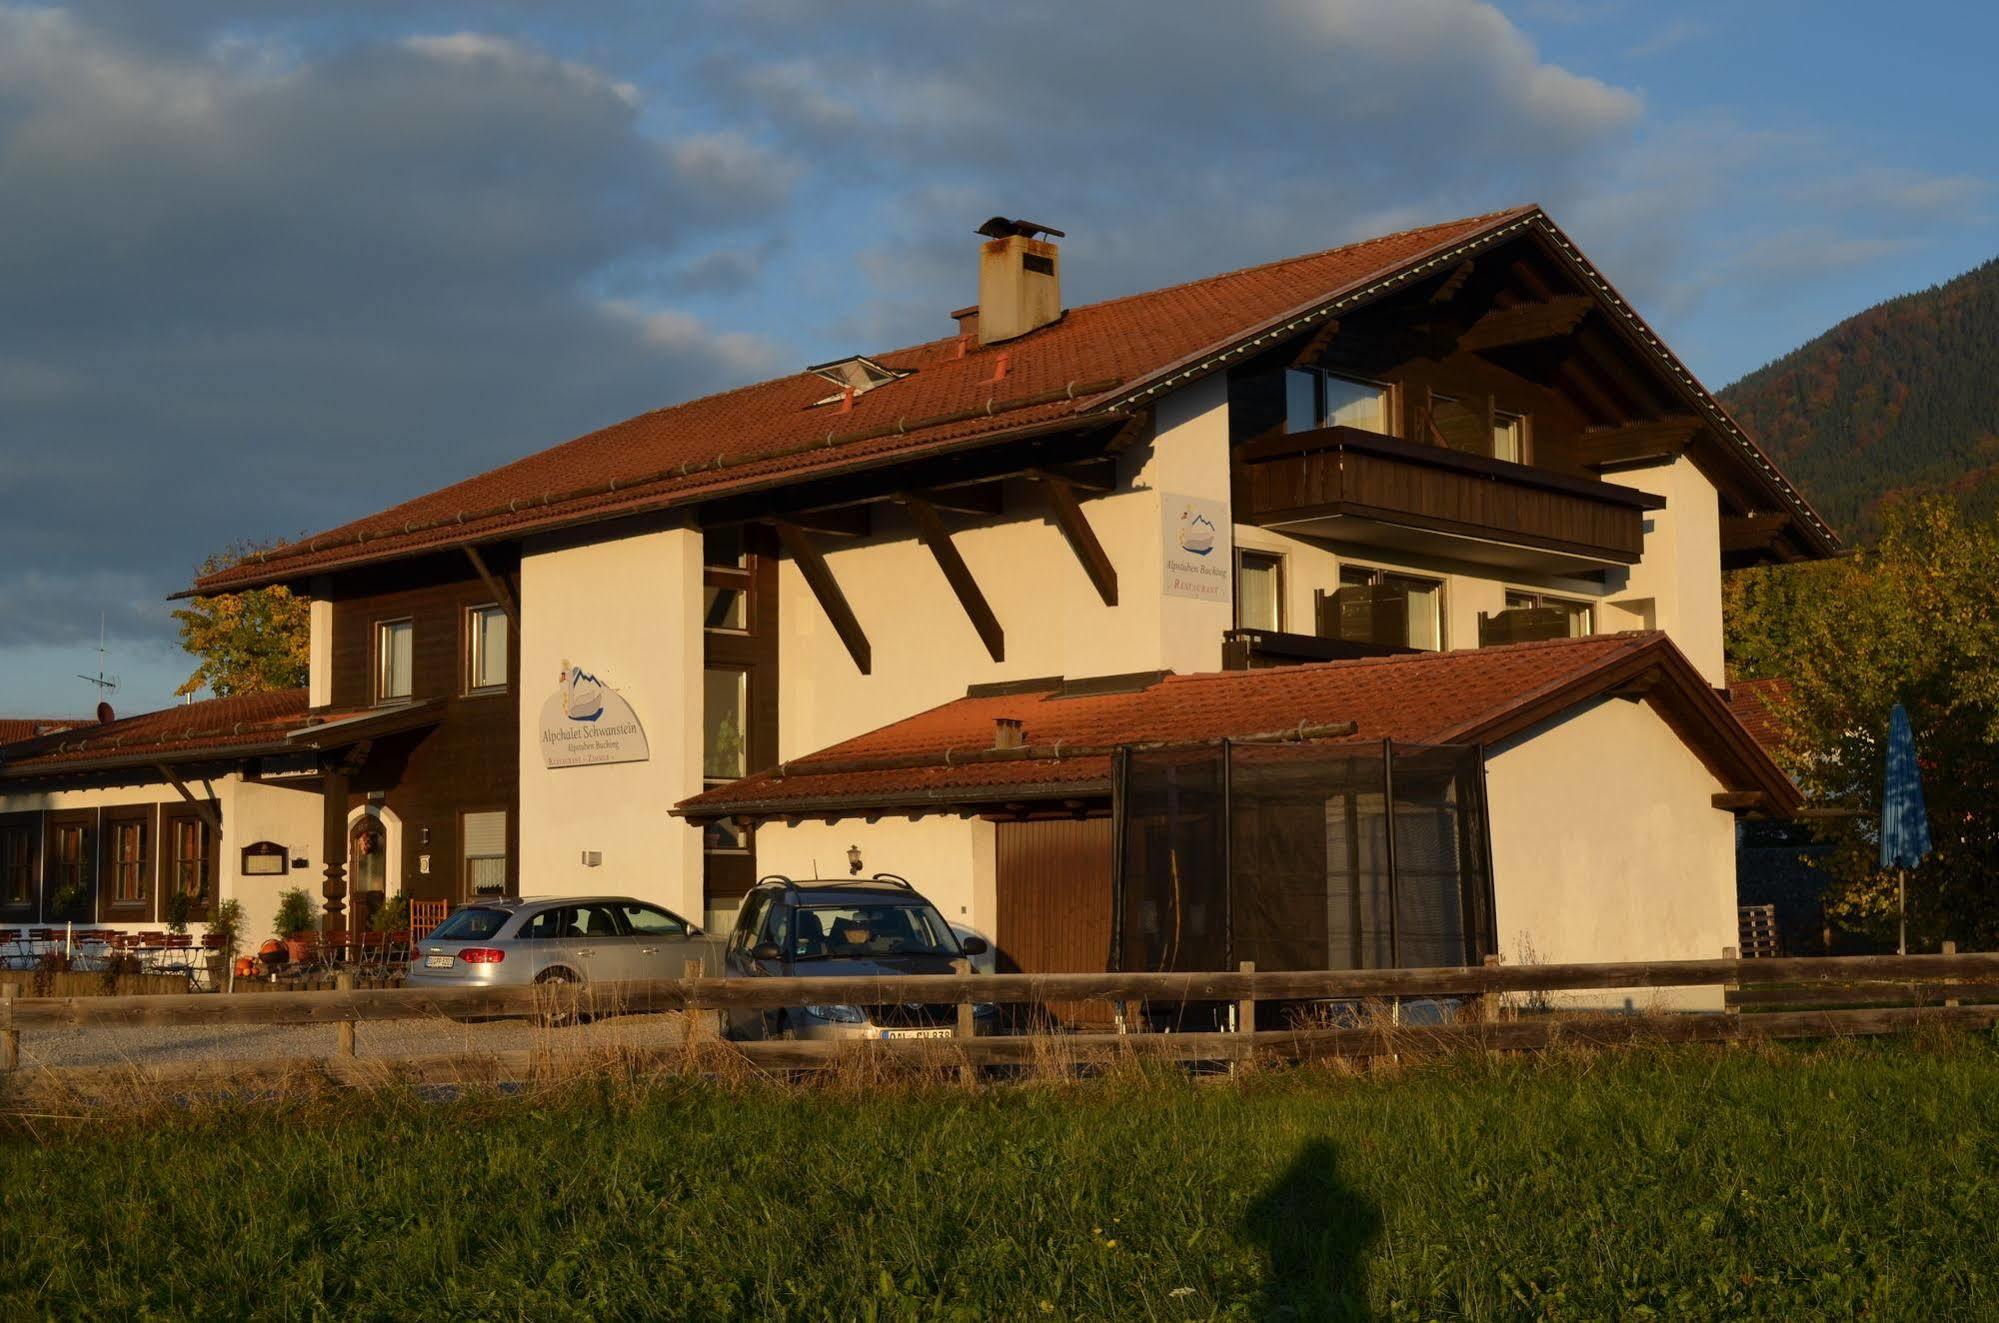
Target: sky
268,267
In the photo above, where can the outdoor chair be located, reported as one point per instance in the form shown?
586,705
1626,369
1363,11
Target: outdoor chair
425,915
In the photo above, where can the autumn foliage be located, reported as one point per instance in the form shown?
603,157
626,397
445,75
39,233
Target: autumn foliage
245,643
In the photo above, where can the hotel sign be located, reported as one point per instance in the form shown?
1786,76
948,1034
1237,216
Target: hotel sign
1198,547
584,723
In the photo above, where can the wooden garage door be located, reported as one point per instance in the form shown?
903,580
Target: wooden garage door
1054,884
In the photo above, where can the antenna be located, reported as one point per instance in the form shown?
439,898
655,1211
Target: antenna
106,684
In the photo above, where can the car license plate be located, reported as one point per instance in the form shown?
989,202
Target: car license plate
439,961
916,1033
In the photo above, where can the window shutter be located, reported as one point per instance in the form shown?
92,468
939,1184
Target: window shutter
485,835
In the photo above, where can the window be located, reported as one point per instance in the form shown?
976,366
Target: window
485,836
1531,616
473,924
723,719
1315,399
69,873
486,648
395,659
128,863
1509,437
650,921
1259,591
1383,608
17,865
726,581
193,847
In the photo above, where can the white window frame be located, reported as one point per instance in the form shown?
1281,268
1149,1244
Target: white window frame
383,692
1279,560
475,649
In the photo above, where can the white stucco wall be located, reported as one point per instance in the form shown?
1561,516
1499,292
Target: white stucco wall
1677,586
1606,847
925,651
628,611
951,860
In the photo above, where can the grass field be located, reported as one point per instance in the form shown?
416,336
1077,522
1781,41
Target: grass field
1677,1183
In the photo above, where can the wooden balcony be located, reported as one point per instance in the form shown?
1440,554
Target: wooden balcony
1363,488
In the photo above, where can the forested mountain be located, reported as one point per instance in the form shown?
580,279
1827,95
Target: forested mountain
1900,399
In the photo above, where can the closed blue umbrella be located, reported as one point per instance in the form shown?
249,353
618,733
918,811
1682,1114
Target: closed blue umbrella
1905,825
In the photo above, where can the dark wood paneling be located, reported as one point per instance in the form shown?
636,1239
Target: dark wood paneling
1054,904
469,761
726,877
1343,471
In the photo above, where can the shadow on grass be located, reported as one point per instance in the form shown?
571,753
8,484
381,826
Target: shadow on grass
1315,1230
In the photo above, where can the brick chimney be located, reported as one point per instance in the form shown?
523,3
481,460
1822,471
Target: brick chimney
1020,280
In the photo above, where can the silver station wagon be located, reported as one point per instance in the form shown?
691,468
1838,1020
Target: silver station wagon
559,939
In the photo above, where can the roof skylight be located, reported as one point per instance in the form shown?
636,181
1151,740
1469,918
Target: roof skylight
854,376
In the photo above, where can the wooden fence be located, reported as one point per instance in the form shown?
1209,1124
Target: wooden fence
1826,997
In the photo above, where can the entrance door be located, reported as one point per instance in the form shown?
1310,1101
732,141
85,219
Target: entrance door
1054,902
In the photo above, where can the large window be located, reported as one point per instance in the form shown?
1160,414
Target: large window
1314,399
128,862
1259,590
1531,616
485,648
69,865
395,659
726,580
725,746
485,838
193,848
1385,609
17,864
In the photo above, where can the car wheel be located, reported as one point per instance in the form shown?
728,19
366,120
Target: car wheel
558,993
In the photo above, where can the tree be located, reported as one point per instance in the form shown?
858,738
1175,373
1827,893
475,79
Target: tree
250,642
1914,620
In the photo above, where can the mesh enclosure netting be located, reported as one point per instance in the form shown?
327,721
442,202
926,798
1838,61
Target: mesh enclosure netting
1284,854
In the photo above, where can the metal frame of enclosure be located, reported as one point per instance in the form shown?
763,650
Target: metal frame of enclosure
1300,856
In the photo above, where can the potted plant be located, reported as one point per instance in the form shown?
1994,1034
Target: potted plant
295,922
179,906
392,917
66,901
225,925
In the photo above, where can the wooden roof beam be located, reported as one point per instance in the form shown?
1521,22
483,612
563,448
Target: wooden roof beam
496,585
930,528
1082,538
205,809
1527,323
1663,439
819,578
1752,532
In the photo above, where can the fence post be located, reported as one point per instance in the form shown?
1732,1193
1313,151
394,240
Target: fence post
10,1037
1950,949
967,1023
344,1046
1245,1008
1489,1000
691,970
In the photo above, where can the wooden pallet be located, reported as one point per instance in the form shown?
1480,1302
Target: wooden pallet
1757,926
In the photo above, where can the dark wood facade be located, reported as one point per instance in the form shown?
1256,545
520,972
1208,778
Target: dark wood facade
468,760
1317,479
752,650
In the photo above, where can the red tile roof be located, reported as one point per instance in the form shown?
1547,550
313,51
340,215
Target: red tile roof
1117,343
1758,705
215,725
1469,696
15,729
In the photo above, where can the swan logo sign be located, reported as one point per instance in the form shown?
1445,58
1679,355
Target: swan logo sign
584,723
1198,549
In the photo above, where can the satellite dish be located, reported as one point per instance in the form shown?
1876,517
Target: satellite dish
105,716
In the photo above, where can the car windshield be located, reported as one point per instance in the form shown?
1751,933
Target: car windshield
834,932
470,923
